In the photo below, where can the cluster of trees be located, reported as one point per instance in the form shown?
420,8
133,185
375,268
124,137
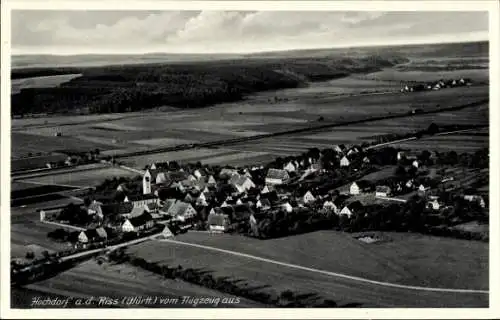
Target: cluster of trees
412,216
137,87
75,215
226,285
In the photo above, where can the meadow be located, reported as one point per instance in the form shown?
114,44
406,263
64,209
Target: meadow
123,280
399,261
41,82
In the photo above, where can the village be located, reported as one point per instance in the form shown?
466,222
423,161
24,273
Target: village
437,85
345,187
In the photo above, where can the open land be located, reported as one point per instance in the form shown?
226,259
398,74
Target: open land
123,280
406,259
399,260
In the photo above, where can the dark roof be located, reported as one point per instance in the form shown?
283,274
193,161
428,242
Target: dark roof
271,196
356,205
139,197
217,219
364,184
277,174
241,212
385,189
140,220
265,202
118,208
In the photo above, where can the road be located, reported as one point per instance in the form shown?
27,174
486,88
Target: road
332,274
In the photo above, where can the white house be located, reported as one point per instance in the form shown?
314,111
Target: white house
197,174
359,187
354,189
211,181
423,188
344,162
263,204
366,160
153,166
382,191
352,208
435,205
287,207
400,155
241,183
289,167
416,164
265,190
308,197
329,205
345,210
340,148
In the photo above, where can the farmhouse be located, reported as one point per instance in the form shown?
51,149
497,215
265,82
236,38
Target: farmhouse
330,206
352,208
211,181
95,209
265,189
435,205
181,211
263,204
474,197
140,223
308,197
340,148
416,164
218,222
241,183
423,188
276,176
344,162
287,207
360,187
227,173
290,167
382,191
92,235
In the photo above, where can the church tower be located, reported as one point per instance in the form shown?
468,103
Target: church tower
146,183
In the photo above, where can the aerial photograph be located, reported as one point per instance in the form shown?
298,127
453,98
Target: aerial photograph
249,159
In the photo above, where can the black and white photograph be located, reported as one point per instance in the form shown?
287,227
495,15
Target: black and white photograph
214,159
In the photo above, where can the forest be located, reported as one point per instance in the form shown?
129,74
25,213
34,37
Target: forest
127,88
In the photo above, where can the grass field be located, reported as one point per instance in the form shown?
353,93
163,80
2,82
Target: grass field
120,281
258,114
40,82
396,75
399,261
82,178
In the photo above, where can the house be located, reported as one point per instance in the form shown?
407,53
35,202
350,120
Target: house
227,173
366,160
136,211
241,183
276,176
360,187
340,148
218,222
167,233
141,200
95,209
330,206
423,188
290,167
400,155
263,204
409,183
139,223
180,210
197,174
265,189
202,200
435,205
308,197
344,162
416,164
163,178
478,198
287,207
92,235
382,191
352,208
211,181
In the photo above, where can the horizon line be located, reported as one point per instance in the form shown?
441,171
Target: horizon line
252,52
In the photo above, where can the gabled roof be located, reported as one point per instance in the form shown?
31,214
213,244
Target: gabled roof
217,219
140,197
137,211
167,204
277,174
101,232
140,220
384,189
179,208
238,180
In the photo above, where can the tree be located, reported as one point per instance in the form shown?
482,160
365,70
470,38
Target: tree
30,255
433,128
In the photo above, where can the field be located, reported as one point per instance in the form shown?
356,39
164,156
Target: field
87,178
40,82
398,261
120,281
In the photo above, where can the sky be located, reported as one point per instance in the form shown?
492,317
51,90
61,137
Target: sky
131,32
